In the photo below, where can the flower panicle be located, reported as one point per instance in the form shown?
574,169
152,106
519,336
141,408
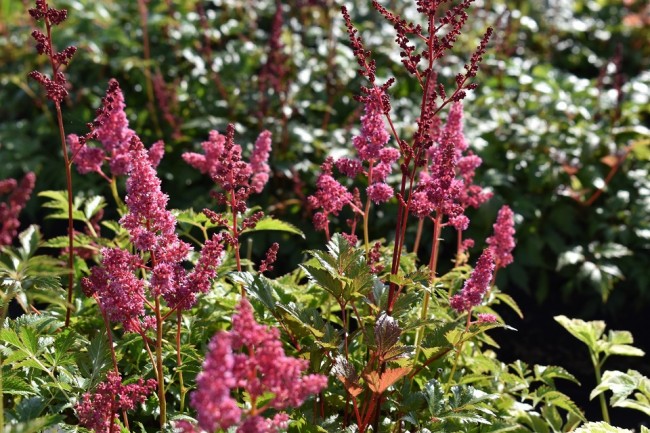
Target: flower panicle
502,242
111,128
98,411
19,194
262,369
56,85
476,285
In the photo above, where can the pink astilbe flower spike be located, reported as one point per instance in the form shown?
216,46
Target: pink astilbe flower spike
98,411
151,226
119,292
250,357
258,161
19,193
503,241
330,196
222,160
111,129
476,285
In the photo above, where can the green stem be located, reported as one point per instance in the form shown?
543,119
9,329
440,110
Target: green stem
159,363
179,360
601,396
458,351
433,264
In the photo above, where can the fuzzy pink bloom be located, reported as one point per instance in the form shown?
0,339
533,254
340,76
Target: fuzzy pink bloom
207,162
216,409
487,318
330,196
87,159
9,211
373,135
260,368
156,152
258,161
199,280
503,241
380,192
98,411
349,167
119,291
150,224
222,160
115,136
476,285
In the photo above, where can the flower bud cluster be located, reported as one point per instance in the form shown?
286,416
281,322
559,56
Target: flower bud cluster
222,160
56,87
448,188
503,241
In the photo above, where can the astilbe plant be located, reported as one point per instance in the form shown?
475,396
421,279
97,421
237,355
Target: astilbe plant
391,345
237,180
134,301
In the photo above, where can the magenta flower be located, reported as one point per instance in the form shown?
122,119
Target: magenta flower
120,293
476,285
448,187
98,411
19,194
115,136
258,161
250,357
503,241
330,196
222,160
151,225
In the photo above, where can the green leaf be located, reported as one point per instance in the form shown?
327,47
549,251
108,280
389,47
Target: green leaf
556,398
510,302
587,332
600,427
59,202
548,373
270,223
258,286
12,384
36,425
622,385
619,343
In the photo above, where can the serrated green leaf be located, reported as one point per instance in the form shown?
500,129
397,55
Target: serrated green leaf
587,332
92,205
551,372
270,223
510,302
258,286
12,384
600,427
559,399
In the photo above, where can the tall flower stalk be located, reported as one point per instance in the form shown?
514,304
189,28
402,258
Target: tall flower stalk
56,91
434,99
